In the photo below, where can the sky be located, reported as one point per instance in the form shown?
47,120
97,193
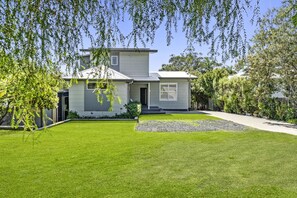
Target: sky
179,43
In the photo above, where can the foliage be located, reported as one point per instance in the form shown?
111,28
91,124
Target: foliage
292,12
27,90
48,34
204,87
53,31
4,102
133,109
73,115
271,67
190,62
272,62
236,94
285,112
208,73
125,115
293,121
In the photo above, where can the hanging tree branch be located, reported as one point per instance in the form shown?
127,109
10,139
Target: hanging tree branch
47,34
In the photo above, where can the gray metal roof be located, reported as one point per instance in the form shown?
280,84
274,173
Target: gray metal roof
100,72
145,79
173,74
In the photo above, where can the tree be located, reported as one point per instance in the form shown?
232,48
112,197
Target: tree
206,69
237,95
47,34
205,86
190,62
27,91
293,10
272,63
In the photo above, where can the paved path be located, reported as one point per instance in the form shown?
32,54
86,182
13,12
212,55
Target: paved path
258,123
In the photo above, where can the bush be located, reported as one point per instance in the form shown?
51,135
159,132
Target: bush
293,121
123,116
72,115
133,109
268,109
291,113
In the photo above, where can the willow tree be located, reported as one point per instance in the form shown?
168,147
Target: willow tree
49,34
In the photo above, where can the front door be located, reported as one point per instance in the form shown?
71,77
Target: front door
143,96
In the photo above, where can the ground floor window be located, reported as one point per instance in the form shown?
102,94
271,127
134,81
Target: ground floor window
92,86
168,91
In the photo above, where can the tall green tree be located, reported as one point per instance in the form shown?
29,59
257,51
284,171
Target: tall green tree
236,94
190,62
273,59
204,88
26,90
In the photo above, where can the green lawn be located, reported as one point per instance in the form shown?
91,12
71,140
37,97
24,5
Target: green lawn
110,159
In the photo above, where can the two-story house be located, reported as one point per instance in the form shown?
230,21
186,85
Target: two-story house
129,71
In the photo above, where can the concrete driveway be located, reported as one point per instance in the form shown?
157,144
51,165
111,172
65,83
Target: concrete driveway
258,123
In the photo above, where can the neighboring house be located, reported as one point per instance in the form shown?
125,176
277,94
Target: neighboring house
129,71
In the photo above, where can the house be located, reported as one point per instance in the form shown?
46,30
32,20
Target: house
129,70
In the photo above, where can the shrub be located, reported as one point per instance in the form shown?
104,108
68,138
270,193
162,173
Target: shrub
293,121
291,112
72,115
123,115
133,109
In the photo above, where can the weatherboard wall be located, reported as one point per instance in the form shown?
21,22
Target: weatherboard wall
183,95
134,63
77,100
135,91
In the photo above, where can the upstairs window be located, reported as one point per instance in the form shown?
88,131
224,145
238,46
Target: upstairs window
168,91
114,60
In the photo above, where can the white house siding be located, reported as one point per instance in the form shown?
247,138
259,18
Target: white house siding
76,100
134,63
183,94
189,95
76,97
135,91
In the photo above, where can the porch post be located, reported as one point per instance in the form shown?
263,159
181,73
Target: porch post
148,95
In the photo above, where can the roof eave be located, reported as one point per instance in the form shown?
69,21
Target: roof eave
178,77
70,78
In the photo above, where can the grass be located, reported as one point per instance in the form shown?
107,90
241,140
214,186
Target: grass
110,159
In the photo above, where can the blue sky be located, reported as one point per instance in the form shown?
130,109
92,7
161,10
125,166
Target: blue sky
179,42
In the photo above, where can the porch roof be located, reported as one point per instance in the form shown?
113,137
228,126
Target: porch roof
146,79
